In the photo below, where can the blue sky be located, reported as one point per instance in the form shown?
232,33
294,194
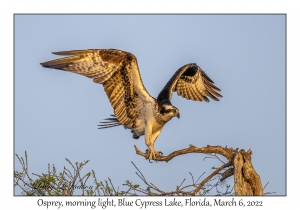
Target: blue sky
57,113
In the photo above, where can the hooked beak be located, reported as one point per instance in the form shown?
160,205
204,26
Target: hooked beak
178,115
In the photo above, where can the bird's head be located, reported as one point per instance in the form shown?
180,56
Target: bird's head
168,111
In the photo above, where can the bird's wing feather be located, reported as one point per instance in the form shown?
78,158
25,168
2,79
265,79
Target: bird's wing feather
116,70
192,83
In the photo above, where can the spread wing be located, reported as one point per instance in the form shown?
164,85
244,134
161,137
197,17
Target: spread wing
117,71
192,83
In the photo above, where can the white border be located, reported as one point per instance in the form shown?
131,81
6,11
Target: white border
8,201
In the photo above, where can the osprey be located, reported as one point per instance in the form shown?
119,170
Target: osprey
133,106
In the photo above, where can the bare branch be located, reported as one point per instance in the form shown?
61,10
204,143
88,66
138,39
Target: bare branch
199,177
226,152
182,183
266,185
227,174
210,176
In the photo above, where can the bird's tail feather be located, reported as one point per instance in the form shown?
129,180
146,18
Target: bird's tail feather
109,123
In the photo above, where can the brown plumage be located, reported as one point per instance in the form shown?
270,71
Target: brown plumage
113,69
192,83
134,108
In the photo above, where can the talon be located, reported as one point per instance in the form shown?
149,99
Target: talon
152,154
147,151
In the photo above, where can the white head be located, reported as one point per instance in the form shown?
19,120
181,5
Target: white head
168,112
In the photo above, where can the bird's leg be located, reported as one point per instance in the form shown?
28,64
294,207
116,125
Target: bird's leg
150,139
152,152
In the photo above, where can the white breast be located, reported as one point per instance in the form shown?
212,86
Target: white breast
147,116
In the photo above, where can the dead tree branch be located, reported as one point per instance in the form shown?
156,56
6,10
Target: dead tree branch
247,181
210,176
226,152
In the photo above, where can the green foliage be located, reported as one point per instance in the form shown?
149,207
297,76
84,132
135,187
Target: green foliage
65,183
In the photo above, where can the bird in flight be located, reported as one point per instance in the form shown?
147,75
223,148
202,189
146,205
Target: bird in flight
134,107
